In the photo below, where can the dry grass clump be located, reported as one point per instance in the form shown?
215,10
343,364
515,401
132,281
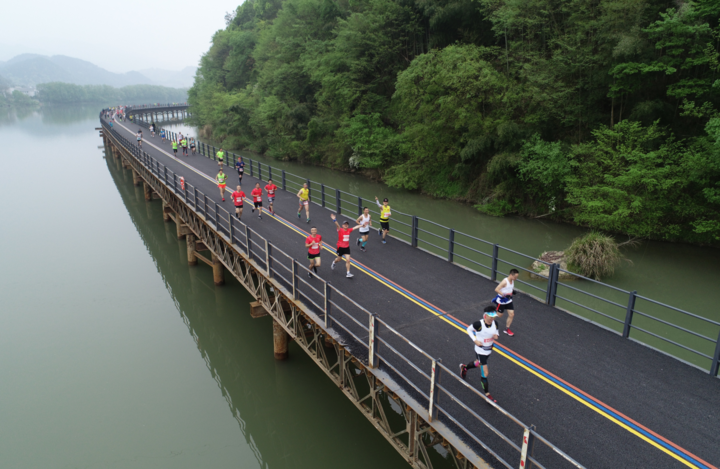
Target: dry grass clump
595,255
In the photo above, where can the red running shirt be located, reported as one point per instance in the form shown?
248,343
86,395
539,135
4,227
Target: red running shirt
238,198
257,195
271,188
315,247
344,237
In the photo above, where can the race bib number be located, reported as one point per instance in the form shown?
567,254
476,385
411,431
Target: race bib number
315,245
346,238
304,202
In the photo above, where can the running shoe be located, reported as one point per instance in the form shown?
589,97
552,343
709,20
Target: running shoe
298,214
490,398
363,249
463,371
308,221
349,275
379,231
223,200
309,275
384,242
358,242
332,266
260,217
509,332
253,210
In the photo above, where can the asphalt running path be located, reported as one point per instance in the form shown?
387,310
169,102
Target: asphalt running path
679,402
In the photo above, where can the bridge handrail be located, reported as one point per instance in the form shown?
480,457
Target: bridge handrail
373,333
582,301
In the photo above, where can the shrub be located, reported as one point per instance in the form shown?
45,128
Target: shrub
595,255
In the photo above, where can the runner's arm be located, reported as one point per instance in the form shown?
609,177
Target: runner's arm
471,333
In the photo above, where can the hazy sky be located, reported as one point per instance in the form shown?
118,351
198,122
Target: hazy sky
118,36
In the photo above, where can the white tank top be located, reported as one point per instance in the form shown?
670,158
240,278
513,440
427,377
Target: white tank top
365,219
486,335
508,288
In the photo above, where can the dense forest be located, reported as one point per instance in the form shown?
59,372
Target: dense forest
603,113
69,93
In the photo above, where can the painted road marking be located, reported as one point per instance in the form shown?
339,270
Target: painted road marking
598,406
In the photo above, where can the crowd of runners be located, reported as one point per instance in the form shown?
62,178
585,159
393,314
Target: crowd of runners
483,333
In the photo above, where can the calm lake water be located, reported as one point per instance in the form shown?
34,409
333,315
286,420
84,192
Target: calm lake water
116,354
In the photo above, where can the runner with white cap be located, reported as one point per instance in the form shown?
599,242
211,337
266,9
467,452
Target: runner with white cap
483,333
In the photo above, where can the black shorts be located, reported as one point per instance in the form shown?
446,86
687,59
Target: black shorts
240,173
175,150
258,204
271,199
385,225
313,256
482,358
239,207
502,307
343,251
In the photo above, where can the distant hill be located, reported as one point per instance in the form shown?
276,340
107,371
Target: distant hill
182,79
31,69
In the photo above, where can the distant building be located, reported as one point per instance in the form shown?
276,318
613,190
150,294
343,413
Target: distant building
30,91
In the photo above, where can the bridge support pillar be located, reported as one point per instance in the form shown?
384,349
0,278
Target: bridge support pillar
192,258
218,271
148,192
166,212
280,341
181,228
137,180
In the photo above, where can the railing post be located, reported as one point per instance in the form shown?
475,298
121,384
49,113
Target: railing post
327,306
259,171
268,258
283,180
451,245
322,194
294,279
337,200
205,212
716,358
414,232
548,290
230,228
309,191
434,392
195,198
217,225
214,152
247,241
493,271
554,284
527,446
372,343
360,211
269,172
251,168
629,314
165,174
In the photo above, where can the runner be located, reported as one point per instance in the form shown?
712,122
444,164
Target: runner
152,130
504,301
238,197
271,188
139,139
304,196
483,334
313,243
184,146
221,180
343,244
162,135
384,218
174,145
240,166
220,155
257,199
192,145
366,223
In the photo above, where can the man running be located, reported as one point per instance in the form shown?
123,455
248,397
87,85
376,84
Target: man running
304,196
343,244
270,189
174,145
483,334
365,222
384,218
221,180
184,146
220,155
162,135
256,194
139,139
238,197
152,130
504,301
313,243
192,145
240,166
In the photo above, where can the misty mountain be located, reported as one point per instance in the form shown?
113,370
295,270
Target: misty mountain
31,69
182,79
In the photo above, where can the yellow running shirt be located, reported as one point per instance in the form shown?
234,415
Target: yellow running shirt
304,193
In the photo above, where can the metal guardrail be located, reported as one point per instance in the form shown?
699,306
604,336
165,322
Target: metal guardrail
607,306
386,349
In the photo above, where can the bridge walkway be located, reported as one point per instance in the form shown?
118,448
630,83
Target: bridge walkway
605,401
